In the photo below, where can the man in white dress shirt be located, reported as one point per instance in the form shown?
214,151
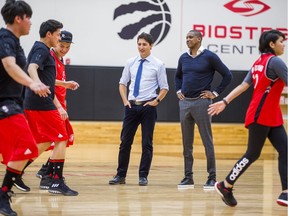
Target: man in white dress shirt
146,74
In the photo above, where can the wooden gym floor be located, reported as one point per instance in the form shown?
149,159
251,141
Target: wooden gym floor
89,167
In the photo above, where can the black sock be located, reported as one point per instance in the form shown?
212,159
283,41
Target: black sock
47,162
58,169
50,168
9,178
27,164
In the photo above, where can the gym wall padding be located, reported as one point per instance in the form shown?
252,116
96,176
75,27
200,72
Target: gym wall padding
98,98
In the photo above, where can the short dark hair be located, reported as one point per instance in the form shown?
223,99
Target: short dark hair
147,37
196,33
49,26
267,37
13,8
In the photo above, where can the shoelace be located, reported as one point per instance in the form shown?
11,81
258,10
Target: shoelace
21,180
62,183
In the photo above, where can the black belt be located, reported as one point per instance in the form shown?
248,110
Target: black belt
139,103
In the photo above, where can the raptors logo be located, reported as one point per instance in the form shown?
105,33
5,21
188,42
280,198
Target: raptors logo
246,7
155,15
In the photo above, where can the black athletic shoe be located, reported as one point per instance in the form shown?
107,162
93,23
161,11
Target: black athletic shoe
282,199
45,182
19,184
186,183
5,208
209,185
226,194
58,186
41,172
117,180
143,181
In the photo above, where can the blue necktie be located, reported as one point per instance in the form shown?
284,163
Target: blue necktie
138,78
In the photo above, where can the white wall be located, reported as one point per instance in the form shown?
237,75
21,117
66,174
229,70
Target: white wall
96,33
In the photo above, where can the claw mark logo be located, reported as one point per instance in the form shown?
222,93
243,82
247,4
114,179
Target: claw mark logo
154,15
246,7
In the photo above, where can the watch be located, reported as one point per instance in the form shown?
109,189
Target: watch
158,100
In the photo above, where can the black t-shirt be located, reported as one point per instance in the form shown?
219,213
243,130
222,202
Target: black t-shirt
10,90
40,55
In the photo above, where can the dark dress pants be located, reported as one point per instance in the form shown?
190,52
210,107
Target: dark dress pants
134,116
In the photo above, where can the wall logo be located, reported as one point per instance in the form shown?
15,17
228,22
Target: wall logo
247,7
157,18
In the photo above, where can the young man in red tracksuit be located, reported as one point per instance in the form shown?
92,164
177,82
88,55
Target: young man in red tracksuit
43,117
61,85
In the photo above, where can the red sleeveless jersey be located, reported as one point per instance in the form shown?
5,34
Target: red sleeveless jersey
261,110
60,91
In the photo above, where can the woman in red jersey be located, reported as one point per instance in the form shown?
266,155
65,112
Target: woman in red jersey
264,117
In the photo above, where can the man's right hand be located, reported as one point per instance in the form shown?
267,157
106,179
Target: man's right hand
180,95
40,89
127,103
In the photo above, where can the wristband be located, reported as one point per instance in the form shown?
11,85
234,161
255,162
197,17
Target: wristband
215,93
225,102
